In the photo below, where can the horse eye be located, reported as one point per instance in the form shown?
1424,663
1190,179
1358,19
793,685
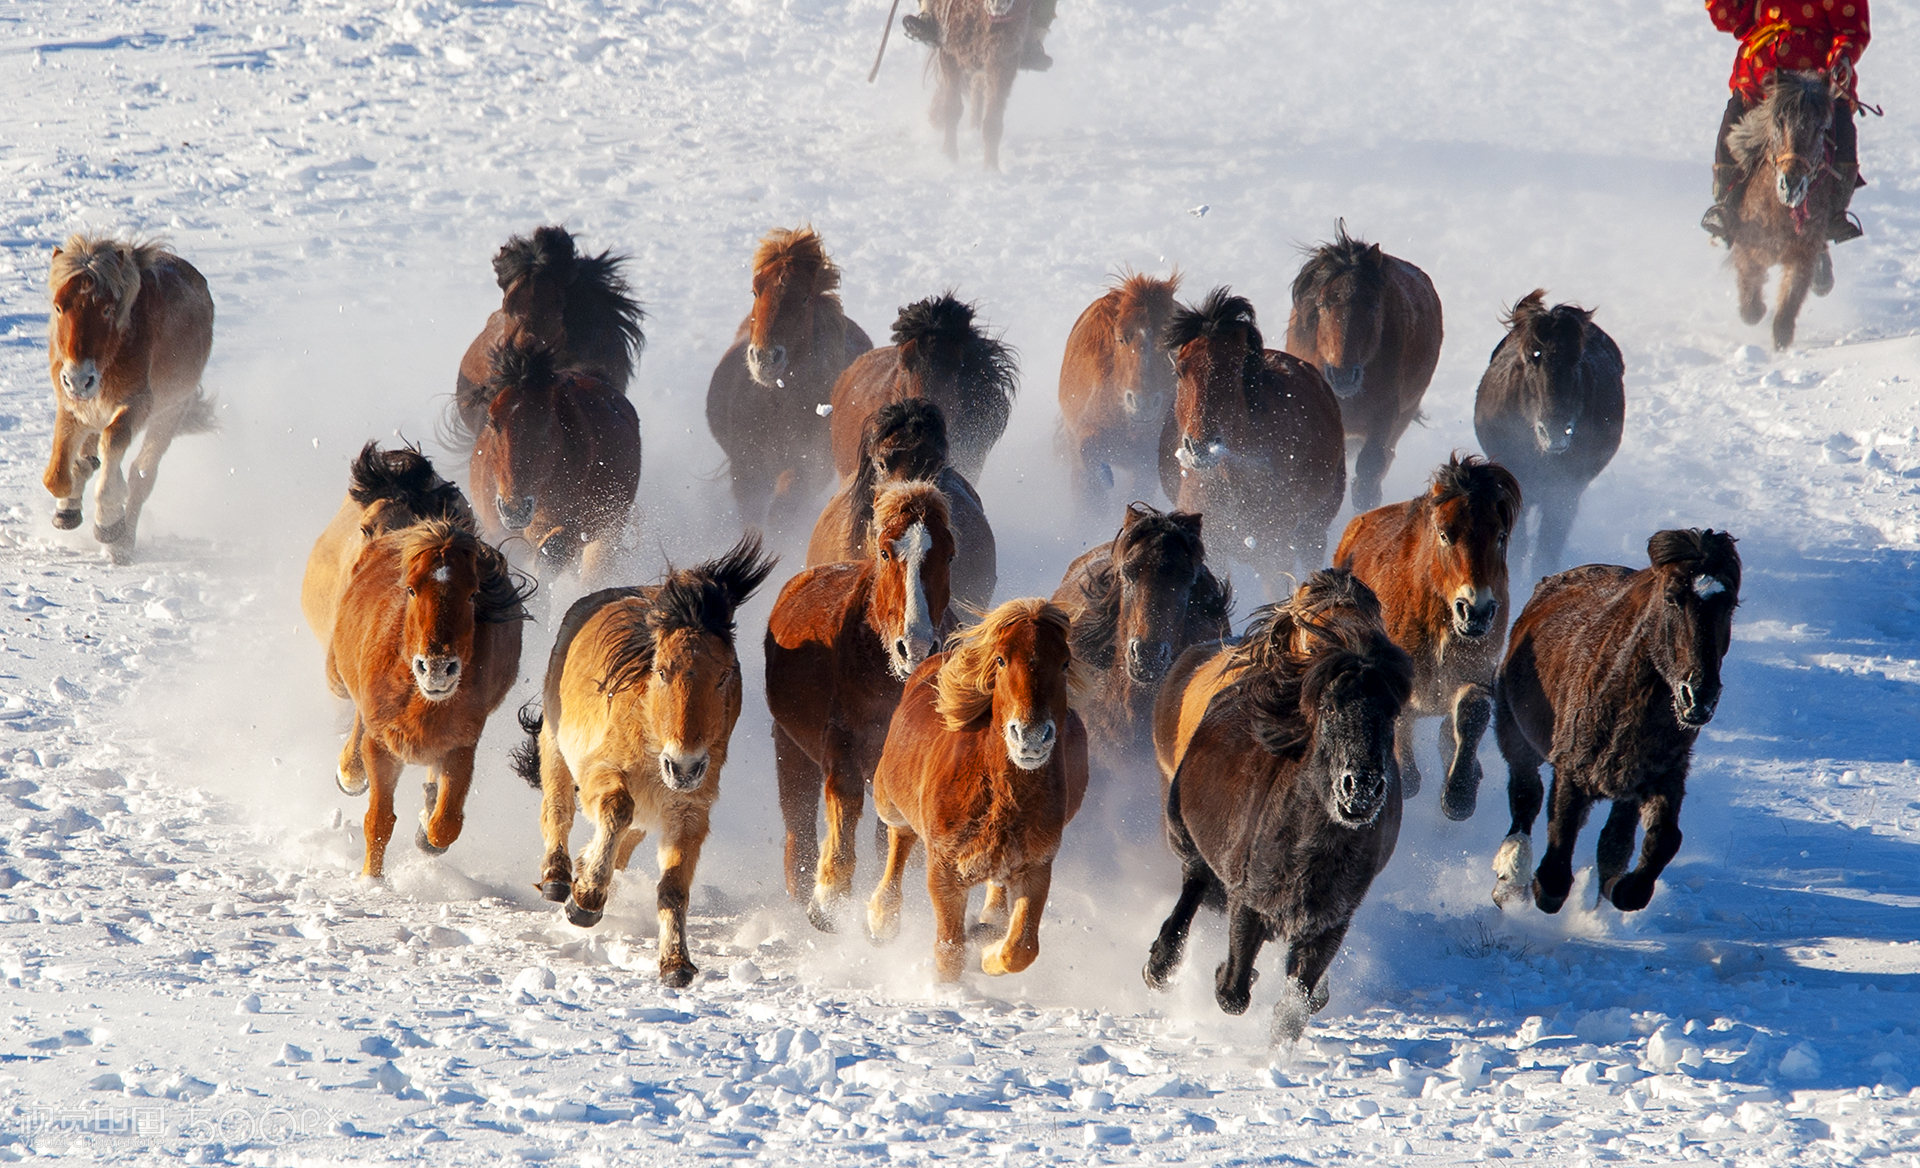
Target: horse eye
410,591
1446,540
999,662
885,554
1534,356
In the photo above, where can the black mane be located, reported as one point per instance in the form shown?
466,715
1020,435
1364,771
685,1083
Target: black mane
1341,257
405,476
915,431
701,599
1703,553
598,296
1220,313
986,365
1471,477
1283,705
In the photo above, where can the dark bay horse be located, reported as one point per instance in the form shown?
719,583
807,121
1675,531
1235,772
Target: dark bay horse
1370,322
1551,408
1438,563
1116,388
1254,442
763,401
841,641
1783,145
986,763
1610,674
131,328
907,441
576,306
641,696
939,353
557,461
981,43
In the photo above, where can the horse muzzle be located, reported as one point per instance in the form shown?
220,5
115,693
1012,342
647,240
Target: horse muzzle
683,770
80,380
1199,455
1693,706
1030,745
1473,613
1552,440
1344,380
1792,191
909,650
1358,796
1147,661
766,365
436,677
1000,9
515,514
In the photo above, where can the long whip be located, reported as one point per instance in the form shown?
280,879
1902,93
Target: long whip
884,33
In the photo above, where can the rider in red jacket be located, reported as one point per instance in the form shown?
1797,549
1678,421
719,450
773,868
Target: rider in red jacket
1804,35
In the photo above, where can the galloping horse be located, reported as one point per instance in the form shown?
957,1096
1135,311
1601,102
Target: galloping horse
131,328
1116,387
426,643
763,402
576,306
907,441
557,461
986,763
840,642
1609,676
1254,442
940,354
1438,563
1371,323
641,696
981,43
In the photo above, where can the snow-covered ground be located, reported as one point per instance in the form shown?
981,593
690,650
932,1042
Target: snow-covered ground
190,967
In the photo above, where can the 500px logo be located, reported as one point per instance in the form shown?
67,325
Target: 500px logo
235,1124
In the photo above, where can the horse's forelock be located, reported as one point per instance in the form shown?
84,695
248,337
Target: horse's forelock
1138,294
1343,255
963,690
1220,313
112,268
784,254
1697,552
898,506
1476,480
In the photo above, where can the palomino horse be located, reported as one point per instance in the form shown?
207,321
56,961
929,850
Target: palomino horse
1609,676
840,642
1550,408
1254,441
981,43
557,461
1285,806
576,306
986,762
426,643
940,354
903,442
763,402
1438,563
1783,144
1116,388
131,329
641,696
1371,323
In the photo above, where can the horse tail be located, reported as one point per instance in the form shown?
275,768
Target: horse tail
525,758
202,414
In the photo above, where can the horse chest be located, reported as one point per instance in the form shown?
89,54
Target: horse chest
97,413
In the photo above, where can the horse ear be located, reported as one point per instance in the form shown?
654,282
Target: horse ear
58,251
1373,253
1188,521
1135,513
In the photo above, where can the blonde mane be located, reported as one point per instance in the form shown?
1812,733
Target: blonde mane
113,265
897,506
964,689
796,250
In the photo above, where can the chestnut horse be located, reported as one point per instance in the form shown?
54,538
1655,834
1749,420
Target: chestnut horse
1285,807
763,402
641,696
1370,322
1550,408
940,354
905,441
426,643
576,306
1254,441
1609,676
1784,145
981,43
1438,563
1116,387
840,642
131,328
557,462
986,762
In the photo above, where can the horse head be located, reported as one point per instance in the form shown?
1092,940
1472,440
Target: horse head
518,439
947,356
1217,352
1789,129
1472,505
911,545
791,275
1142,306
1548,347
536,276
442,569
1017,666
1353,696
1157,558
95,280
1698,577
1337,295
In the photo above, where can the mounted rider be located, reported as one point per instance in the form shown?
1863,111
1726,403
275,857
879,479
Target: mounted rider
924,27
1802,35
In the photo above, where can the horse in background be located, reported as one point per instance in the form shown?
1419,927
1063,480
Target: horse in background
1609,676
576,306
906,441
986,762
641,696
1254,441
1116,387
1551,408
1438,563
1370,322
1790,197
763,401
981,44
939,353
129,336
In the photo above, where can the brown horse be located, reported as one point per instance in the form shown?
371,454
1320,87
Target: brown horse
426,643
641,696
981,43
1371,323
576,306
1116,387
1784,144
986,763
1438,563
1254,442
940,354
763,402
840,642
1609,676
903,442
131,328
557,461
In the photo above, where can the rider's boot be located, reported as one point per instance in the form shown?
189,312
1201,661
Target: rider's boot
1843,227
921,26
1035,57
1727,189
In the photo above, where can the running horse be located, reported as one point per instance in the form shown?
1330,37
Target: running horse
1116,387
131,328
981,45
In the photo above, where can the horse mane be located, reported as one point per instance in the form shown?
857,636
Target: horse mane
518,362
1219,313
115,267
503,591
405,476
1330,597
897,504
598,296
1701,553
1793,98
986,365
1342,256
963,689
700,599
1531,322
1363,665
1095,629
784,252
1130,292
1472,477
913,424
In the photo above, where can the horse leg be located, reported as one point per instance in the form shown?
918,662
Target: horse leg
623,851
350,773
1557,510
1796,275
110,497
556,821
1403,754
993,913
603,792
949,895
997,90
146,464
946,104
1170,946
1370,467
1567,815
1460,734
799,780
1021,945
1616,846
883,910
597,559
680,842
383,773
1514,861
69,467
845,791
1233,980
1750,273
1306,993
441,821
1660,818
1519,540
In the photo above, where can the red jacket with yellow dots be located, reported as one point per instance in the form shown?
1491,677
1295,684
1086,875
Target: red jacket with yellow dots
1790,34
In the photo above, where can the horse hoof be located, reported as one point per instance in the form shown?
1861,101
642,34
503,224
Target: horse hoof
1630,895
1460,799
1289,1022
421,841
67,520
678,976
1510,893
556,891
1548,903
1156,978
110,532
819,917
585,918
349,784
